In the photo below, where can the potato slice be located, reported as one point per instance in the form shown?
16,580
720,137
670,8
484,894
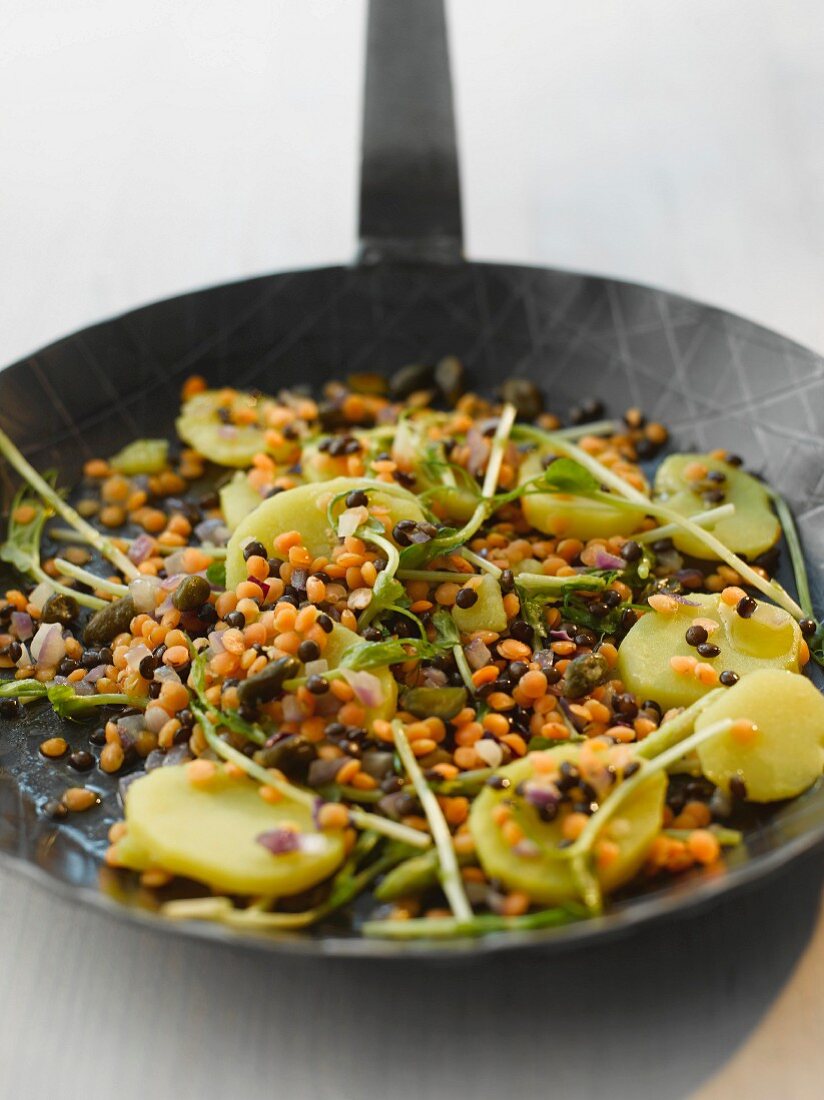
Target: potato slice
568,516
238,499
487,614
769,639
752,529
547,880
785,754
208,832
304,509
409,450
227,444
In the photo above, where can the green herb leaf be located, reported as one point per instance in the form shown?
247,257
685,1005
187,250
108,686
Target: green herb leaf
216,574
565,475
446,631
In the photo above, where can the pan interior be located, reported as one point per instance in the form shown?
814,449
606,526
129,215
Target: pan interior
713,378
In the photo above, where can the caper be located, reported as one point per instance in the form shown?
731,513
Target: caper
191,593
584,674
291,754
409,379
110,621
450,378
435,702
264,685
60,609
525,396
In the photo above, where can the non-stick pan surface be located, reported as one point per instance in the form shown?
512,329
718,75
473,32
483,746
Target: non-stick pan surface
713,378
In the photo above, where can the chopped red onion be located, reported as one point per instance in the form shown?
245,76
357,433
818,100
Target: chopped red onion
143,591
48,647
605,560
262,585
477,654
136,654
177,754
142,548
489,751
215,643
351,519
165,673
131,725
83,687
280,842
213,531
434,677
367,687
316,668
479,450
22,624
155,718
40,595
94,674
25,659
541,795
175,570
293,709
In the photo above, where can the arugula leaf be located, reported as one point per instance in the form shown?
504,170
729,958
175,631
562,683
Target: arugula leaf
366,655
216,574
565,475
417,555
446,630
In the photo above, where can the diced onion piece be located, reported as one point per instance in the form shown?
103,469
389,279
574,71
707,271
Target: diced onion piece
48,647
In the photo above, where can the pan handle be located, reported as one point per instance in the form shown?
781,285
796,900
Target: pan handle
410,197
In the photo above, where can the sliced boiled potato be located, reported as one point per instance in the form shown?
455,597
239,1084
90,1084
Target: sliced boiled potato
487,613
548,880
304,509
342,639
208,832
237,499
568,516
753,527
227,444
784,754
317,465
409,450
769,639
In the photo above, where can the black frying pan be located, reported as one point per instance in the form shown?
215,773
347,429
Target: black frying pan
715,378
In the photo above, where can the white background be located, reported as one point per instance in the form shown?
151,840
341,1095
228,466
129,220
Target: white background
151,147
148,148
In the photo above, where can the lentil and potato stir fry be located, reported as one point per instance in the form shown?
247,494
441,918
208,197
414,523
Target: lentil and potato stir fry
408,645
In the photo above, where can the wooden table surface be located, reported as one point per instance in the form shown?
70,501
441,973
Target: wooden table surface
149,148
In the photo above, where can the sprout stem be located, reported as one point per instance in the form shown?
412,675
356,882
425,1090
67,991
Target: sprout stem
360,818
56,502
100,583
449,873
703,519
